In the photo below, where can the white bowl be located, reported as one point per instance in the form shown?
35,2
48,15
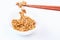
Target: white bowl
16,16
23,33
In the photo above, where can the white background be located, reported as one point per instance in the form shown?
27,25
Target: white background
48,21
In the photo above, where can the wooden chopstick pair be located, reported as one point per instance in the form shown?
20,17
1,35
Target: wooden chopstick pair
57,8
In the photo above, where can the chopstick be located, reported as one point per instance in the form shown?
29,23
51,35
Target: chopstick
57,8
